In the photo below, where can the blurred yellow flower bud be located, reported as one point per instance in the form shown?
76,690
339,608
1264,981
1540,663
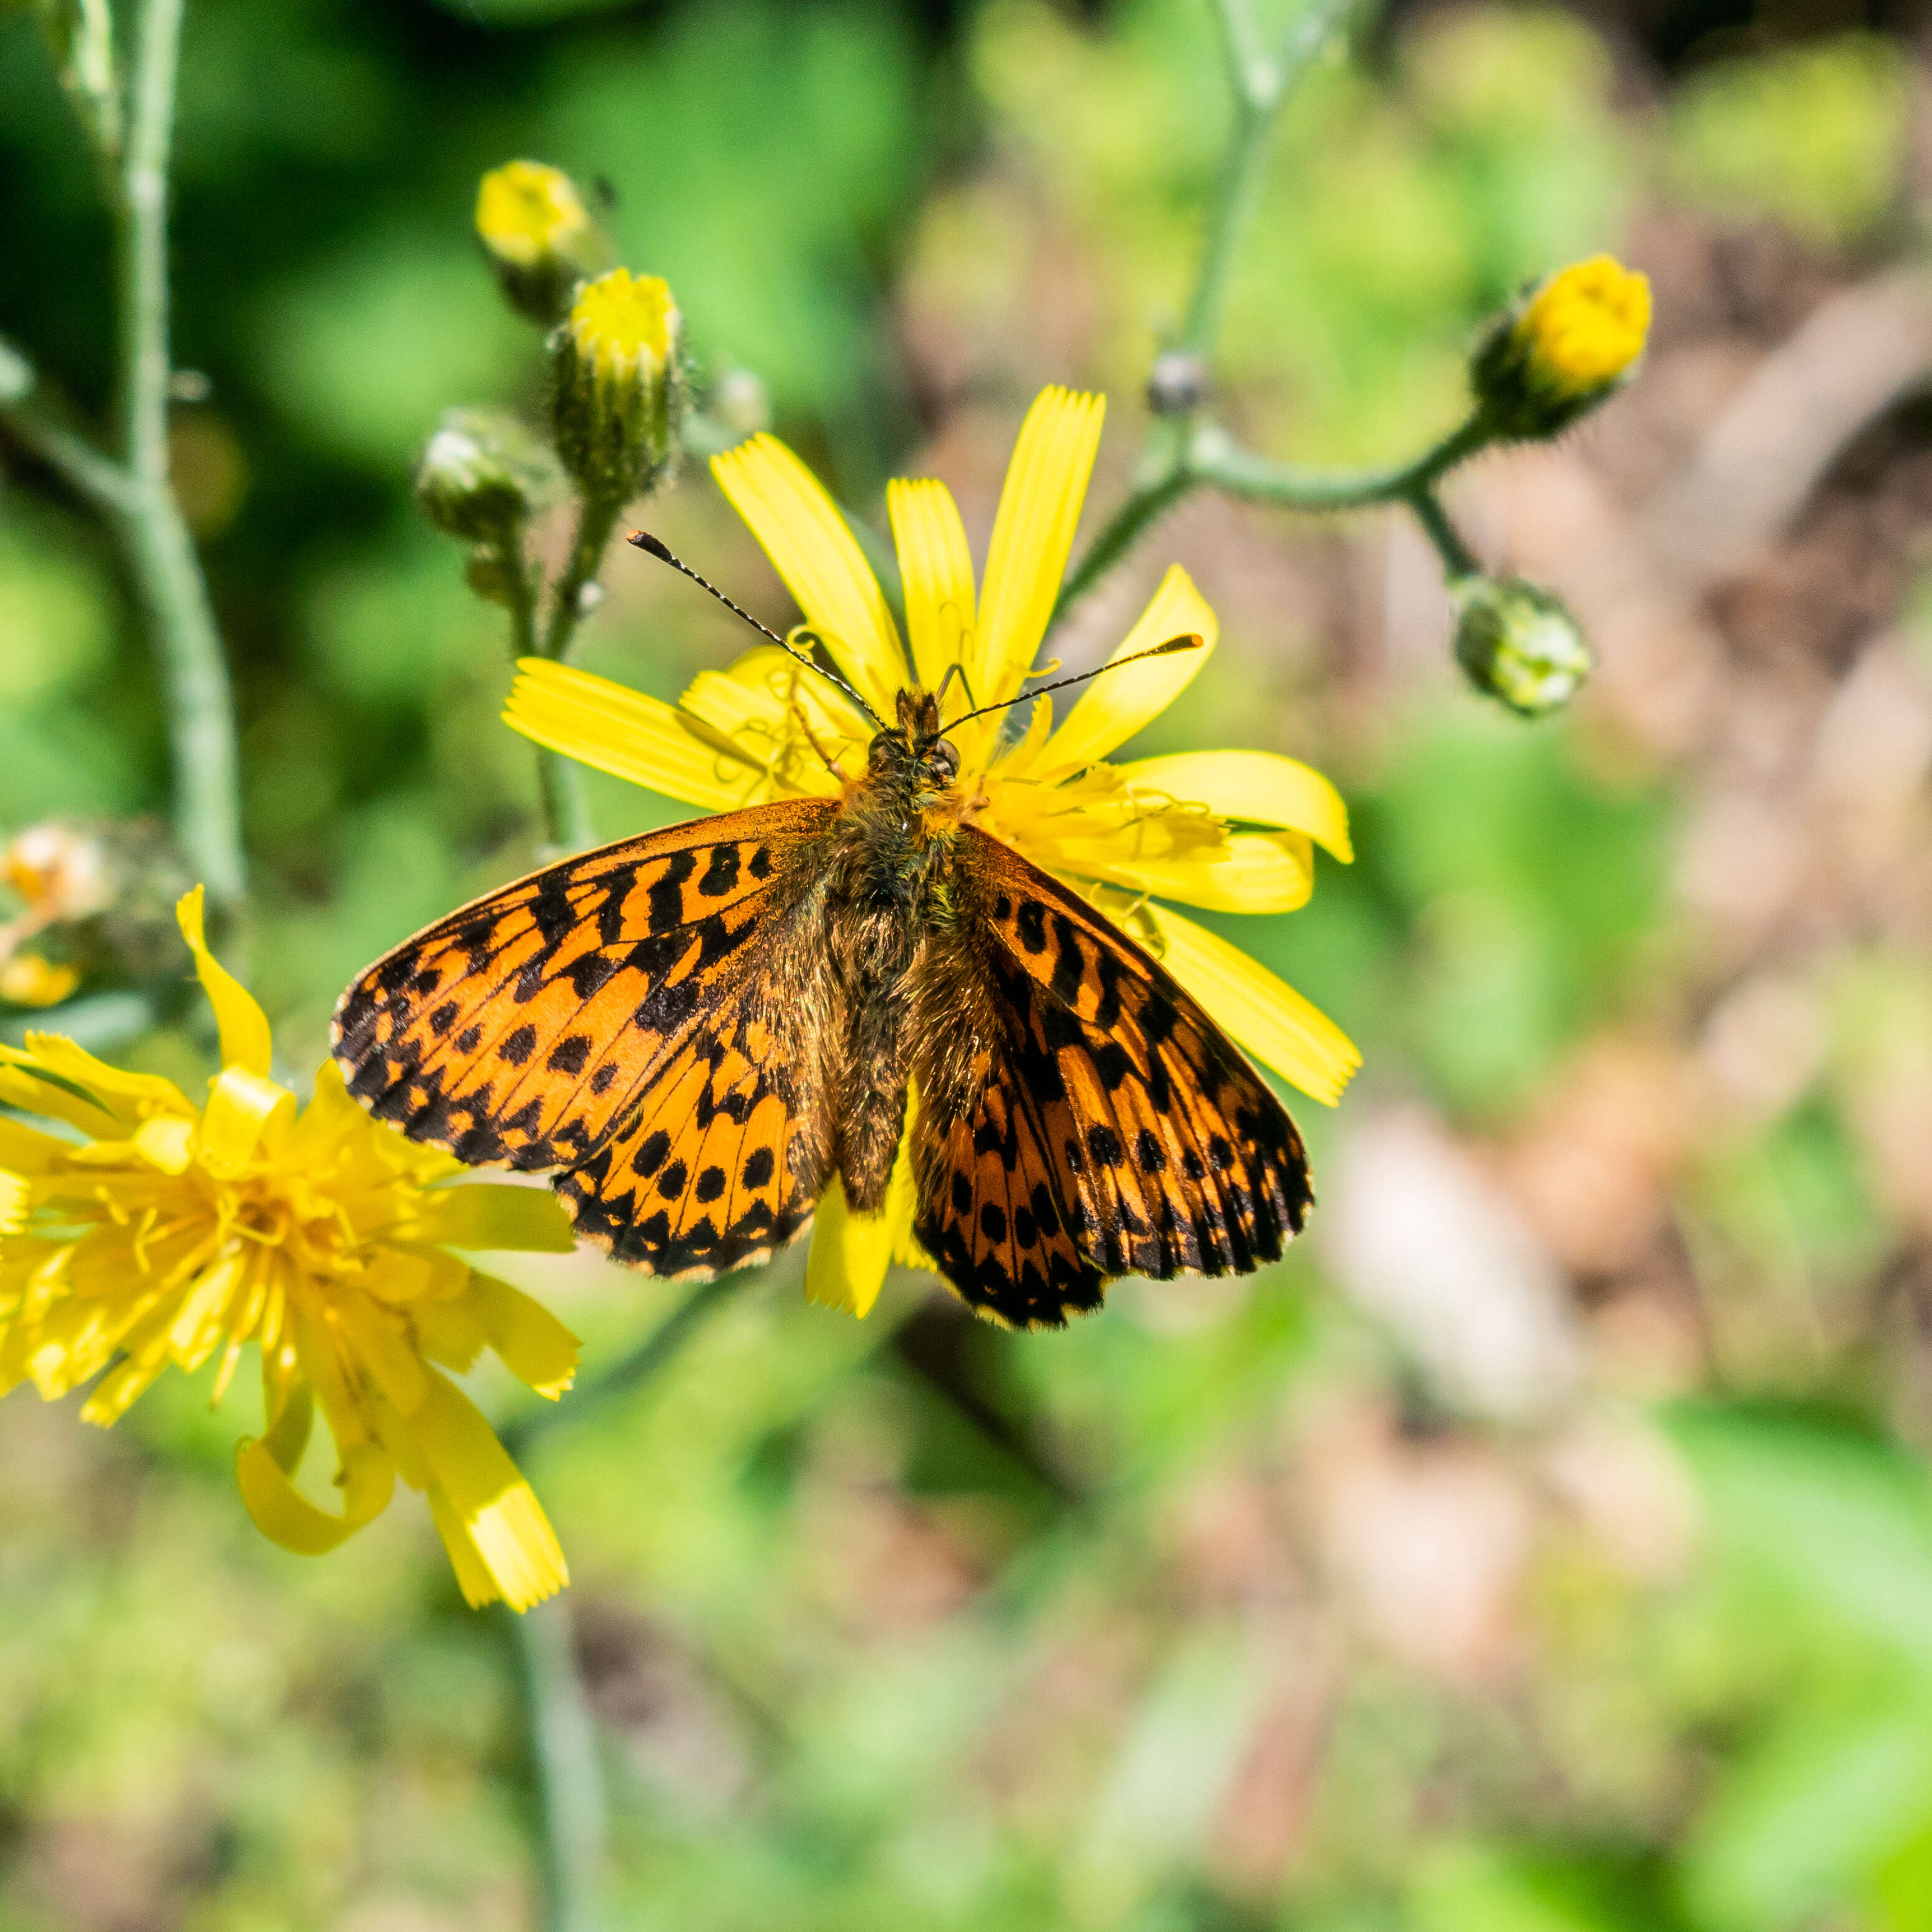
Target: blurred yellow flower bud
1519,644
540,237
617,387
1559,351
28,980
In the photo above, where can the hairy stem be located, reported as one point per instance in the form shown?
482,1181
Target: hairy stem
154,534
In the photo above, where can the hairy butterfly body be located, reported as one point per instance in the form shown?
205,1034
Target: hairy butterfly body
698,1028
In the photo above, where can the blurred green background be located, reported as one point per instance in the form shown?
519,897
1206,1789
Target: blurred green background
1547,1546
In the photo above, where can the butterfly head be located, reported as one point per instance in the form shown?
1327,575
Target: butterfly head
912,753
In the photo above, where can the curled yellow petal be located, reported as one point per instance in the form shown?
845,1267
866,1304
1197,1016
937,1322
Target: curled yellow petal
936,568
627,734
536,1347
811,547
487,1510
1114,706
1249,788
1032,532
1265,1013
245,1027
240,1105
1242,871
494,1214
285,1515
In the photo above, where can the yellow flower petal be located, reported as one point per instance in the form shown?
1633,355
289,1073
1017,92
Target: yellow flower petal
820,559
1243,871
494,1512
16,1197
245,1027
850,1253
1265,1014
1250,787
285,1515
536,1347
1040,508
936,568
495,1215
627,734
126,1096
240,1105
167,1141
783,716
1112,709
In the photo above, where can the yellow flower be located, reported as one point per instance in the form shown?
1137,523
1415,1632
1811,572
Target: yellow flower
1233,831
615,384
1565,349
26,980
155,1232
1585,326
539,236
526,211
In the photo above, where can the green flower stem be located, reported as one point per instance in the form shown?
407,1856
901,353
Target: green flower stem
571,1808
1183,453
200,701
1458,561
136,495
566,810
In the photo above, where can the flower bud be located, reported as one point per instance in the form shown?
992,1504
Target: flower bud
27,980
539,237
1556,354
481,474
1519,644
617,391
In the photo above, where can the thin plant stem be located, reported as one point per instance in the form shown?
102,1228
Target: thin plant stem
571,1809
136,495
194,671
1182,454
566,808
572,1806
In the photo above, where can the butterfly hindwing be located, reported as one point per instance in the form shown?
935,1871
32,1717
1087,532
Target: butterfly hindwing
520,1030
1165,1152
725,1154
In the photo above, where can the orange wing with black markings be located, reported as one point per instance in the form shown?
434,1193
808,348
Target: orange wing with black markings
520,1030
1117,1130
727,1149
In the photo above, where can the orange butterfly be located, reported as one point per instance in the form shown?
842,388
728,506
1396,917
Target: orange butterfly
700,1027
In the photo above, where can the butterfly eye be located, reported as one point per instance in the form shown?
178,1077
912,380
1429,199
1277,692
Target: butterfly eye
944,761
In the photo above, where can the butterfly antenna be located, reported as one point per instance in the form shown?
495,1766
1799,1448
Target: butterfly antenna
645,541
1189,643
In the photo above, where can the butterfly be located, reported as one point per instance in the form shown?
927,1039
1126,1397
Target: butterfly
695,1031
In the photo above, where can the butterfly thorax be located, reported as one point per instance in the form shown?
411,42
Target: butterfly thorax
896,824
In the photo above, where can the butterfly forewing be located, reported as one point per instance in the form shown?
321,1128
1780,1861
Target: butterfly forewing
1165,1151
520,1030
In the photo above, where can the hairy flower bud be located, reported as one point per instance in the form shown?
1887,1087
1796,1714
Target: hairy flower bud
1561,349
539,236
1519,644
481,474
617,391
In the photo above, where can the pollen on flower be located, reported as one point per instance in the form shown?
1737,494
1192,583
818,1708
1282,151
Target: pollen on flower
1585,326
526,211
156,1234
